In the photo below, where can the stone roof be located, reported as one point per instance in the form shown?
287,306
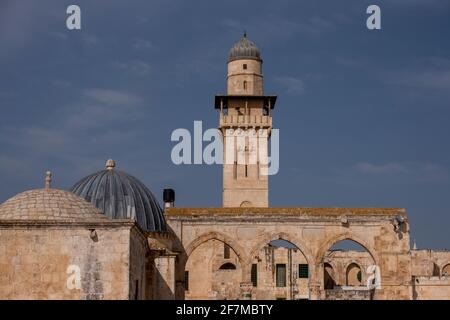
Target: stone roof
49,205
283,211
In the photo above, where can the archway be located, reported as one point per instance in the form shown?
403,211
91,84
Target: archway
279,270
213,271
446,270
344,266
328,276
353,275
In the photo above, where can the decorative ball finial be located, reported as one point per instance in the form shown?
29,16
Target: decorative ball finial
48,180
110,164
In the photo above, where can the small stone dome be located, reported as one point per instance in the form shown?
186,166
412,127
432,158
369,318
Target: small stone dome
48,204
121,196
244,49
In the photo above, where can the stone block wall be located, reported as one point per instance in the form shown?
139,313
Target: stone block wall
35,261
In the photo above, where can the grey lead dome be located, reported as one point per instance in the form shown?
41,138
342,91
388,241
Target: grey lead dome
121,196
244,49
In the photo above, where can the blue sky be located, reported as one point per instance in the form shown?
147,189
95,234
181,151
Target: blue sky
363,115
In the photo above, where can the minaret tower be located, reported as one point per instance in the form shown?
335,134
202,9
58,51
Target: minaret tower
245,123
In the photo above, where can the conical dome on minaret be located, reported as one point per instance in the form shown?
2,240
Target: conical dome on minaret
244,69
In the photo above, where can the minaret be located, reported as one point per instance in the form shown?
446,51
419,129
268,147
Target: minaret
245,123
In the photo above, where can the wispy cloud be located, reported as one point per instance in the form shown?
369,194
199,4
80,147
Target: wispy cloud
437,79
138,67
292,85
112,97
276,28
425,73
143,44
97,118
90,40
420,172
388,168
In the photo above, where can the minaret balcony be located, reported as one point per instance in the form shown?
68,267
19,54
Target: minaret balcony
246,121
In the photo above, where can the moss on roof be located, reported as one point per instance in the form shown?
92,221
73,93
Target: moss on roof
283,211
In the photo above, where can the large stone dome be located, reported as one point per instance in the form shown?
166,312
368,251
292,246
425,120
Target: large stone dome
48,204
244,49
121,196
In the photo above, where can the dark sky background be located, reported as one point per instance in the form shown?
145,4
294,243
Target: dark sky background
363,115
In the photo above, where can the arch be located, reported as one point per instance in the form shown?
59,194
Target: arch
327,244
203,259
353,275
328,276
446,270
213,235
282,236
227,266
358,263
216,236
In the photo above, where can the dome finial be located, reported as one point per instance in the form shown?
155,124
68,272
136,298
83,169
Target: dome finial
245,33
110,164
48,180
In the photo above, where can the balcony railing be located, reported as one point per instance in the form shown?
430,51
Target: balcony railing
245,121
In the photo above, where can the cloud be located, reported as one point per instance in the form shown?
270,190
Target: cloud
112,97
427,73
61,83
388,168
137,67
439,79
79,136
95,117
143,44
90,40
415,171
292,85
277,28
58,35
351,62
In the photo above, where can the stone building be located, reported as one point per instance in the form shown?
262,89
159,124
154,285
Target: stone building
108,237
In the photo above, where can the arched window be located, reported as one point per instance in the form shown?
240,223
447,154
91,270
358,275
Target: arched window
345,252
353,275
328,276
227,266
446,270
245,85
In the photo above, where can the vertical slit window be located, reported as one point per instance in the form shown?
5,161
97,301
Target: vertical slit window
226,251
254,275
186,280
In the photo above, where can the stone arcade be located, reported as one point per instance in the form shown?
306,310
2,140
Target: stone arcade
112,228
